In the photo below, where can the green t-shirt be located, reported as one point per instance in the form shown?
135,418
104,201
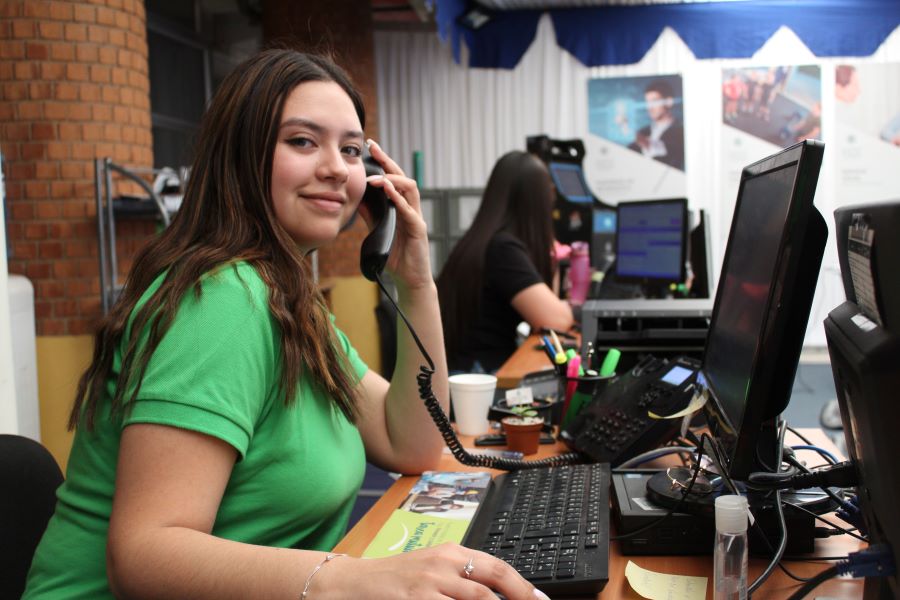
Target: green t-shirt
215,371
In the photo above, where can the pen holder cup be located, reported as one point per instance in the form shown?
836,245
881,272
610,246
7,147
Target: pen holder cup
575,393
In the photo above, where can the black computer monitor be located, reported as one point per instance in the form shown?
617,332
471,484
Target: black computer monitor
699,257
651,241
762,306
569,181
572,215
863,336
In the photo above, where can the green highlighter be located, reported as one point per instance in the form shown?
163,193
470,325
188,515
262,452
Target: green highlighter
610,362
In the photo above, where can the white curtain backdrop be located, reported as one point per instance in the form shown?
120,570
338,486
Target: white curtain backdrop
463,120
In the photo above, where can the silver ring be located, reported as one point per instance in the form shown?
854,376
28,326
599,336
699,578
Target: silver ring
470,566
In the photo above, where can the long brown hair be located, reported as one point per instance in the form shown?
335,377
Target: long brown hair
518,199
227,216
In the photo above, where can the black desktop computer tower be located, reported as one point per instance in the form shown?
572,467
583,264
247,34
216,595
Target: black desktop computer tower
864,361
863,336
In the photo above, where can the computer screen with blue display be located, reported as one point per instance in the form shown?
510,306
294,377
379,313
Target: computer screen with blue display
604,221
651,240
569,181
603,238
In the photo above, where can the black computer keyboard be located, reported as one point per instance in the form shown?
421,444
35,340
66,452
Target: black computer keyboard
551,524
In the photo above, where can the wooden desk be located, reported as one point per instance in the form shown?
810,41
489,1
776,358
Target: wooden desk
526,359
779,585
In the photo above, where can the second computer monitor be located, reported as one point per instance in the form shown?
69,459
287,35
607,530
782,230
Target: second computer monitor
762,305
569,181
651,241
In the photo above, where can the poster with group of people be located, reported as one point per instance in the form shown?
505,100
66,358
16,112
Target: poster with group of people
764,109
781,105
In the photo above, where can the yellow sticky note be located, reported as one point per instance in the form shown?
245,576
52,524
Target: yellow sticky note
662,586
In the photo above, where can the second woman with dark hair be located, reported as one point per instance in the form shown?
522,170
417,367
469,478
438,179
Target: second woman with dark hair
502,270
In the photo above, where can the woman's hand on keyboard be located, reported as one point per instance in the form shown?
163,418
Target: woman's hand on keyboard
426,574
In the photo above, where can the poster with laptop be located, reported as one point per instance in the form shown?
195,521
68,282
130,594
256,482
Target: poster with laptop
867,128
635,142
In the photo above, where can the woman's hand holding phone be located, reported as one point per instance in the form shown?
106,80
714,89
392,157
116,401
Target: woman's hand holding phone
409,262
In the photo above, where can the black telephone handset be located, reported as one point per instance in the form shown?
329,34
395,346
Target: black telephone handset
376,247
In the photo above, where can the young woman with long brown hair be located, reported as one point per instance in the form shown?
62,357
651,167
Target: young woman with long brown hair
223,425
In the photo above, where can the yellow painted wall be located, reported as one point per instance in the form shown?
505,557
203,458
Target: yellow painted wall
353,302
62,359
60,362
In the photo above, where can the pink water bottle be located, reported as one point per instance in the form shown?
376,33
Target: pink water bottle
579,273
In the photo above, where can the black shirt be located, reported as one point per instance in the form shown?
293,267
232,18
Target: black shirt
492,339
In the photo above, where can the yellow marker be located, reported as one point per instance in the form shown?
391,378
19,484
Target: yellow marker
559,348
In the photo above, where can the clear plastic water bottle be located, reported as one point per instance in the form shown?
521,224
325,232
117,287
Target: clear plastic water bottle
579,273
731,548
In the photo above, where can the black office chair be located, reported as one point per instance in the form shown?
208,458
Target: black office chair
29,477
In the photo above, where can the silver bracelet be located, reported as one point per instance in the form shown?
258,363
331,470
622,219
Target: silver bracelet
327,558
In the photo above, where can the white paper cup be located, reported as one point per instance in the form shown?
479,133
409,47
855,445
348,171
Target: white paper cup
472,395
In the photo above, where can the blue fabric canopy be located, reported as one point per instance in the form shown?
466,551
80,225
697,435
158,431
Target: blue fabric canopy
615,35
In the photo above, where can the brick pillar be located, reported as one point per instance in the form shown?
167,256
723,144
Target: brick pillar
73,87
344,30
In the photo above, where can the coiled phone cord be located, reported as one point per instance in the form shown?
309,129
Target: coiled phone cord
443,423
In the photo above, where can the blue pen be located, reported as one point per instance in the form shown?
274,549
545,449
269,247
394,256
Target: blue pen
548,349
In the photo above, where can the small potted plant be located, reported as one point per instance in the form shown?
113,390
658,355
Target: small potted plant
523,431
542,406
